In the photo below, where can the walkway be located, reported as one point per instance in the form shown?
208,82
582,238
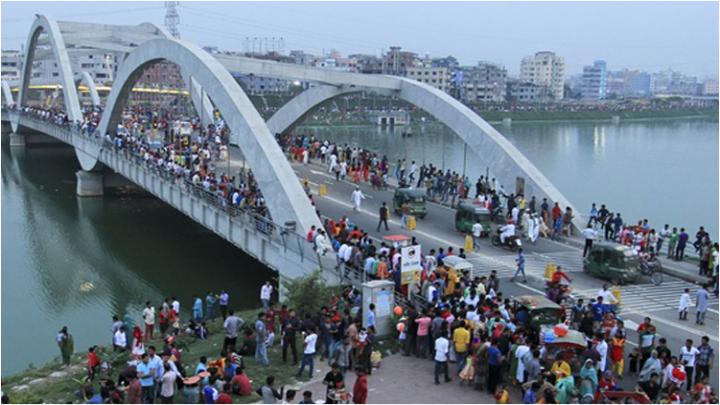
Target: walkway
402,379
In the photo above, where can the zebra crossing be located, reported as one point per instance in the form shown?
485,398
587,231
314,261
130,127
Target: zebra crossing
535,263
650,298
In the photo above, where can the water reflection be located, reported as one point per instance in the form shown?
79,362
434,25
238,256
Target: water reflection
75,262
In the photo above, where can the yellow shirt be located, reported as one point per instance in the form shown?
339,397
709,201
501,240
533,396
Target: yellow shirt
561,365
452,279
461,337
504,397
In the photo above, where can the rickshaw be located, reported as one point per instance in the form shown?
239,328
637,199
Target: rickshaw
568,347
470,211
618,263
623,397
415,197
542,311
458,264
397,241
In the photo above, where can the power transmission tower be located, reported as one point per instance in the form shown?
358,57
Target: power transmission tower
172,18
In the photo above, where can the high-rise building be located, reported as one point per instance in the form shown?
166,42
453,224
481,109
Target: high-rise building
485,82
369,64
545,69
594,81
396,62
438,77
11,61
710,87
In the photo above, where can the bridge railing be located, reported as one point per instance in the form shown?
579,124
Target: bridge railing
288,238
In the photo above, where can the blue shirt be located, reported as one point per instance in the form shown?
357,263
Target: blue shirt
521,261
198,308
494,356
371,319
148,372
260,331
224,297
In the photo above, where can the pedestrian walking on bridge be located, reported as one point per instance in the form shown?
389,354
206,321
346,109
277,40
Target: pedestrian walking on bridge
384,214
520,266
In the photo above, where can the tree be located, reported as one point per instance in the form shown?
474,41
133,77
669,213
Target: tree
307,294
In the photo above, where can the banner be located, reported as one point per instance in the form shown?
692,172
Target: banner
410,263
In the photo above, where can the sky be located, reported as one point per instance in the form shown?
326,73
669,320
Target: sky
650,36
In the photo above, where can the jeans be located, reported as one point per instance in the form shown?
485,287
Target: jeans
680,252
588,246
223,311
460,360
148,394
309,360
689,372
700,318
422,346
266,304
293,348
261,356
701,372
441,367
520,270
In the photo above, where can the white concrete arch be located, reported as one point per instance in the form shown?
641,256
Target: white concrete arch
284,196
70,94
90,83
7,94
505,161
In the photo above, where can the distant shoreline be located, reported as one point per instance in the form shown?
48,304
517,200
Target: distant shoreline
558,117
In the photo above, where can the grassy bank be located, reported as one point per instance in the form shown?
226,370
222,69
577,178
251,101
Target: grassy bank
598,115
52,383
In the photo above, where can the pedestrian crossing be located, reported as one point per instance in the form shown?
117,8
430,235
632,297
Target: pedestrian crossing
535,263
650,298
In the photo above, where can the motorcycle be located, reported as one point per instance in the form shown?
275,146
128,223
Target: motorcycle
559,293
650,266
512,242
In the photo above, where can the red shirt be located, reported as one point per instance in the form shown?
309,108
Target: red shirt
224,398
92,360
241,385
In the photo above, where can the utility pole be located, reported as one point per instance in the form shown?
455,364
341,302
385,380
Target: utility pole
172,18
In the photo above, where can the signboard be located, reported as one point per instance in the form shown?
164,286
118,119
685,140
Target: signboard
409,263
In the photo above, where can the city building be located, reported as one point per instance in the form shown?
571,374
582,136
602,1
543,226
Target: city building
710,87
485,82
368,64
437,77
545,69
11,62
594,81
669,82
397,62
523,92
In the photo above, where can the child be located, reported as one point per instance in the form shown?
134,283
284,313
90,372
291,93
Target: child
502,396
684,304
634,357
93,361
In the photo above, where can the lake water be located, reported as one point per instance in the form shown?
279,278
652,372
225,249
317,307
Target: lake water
665,171
76,262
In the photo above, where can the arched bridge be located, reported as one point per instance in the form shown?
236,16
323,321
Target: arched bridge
213,88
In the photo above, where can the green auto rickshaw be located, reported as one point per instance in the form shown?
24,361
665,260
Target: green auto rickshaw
618,263
415,197
470,211
542,311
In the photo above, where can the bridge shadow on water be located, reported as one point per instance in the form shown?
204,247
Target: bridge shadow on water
77,261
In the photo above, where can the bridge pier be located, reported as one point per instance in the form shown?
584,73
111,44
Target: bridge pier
17,140
89,184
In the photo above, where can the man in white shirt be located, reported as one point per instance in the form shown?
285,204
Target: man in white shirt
341,253
265,294
442,348
175,305
602,349
310,339
120,340
477,229
149,319
607,295
357,197
688,353
590,234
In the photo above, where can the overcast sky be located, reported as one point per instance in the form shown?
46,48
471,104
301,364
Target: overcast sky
645,35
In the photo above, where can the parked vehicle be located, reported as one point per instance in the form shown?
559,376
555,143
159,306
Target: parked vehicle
618,263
